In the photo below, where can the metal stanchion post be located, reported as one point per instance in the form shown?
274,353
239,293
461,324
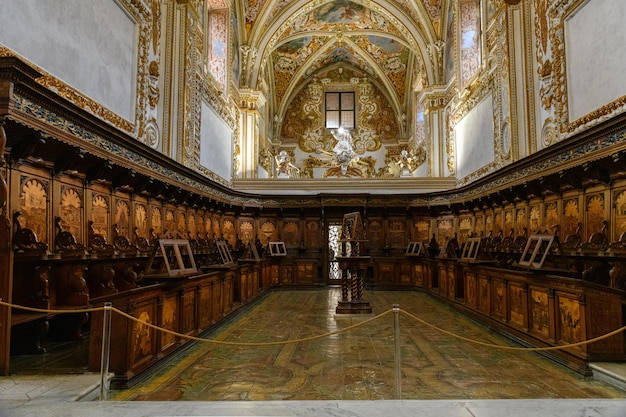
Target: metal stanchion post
106,348
396,340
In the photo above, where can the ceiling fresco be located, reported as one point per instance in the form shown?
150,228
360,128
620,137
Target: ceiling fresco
385,51
386,40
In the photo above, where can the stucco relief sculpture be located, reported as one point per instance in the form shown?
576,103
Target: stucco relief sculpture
344,160
284,167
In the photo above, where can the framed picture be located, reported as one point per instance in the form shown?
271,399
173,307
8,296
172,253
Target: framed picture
177,257
277,249
536,251
224,251
470,250
414,249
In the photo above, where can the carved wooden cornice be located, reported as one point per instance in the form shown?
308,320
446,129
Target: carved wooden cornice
31,109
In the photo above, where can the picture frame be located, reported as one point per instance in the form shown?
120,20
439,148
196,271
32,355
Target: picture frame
414,249
178,257
224,251
536,250
470,250
277,249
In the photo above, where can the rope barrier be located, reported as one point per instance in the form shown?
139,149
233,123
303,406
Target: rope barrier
284,342
527,349
46,311
321,336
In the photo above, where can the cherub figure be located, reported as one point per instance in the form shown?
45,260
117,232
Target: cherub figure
284,167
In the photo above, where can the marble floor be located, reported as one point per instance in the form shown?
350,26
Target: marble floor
358,364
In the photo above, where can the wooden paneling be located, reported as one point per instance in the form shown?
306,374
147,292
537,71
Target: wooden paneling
188,306
518,305
604,315
499,299
385,271
168,320
471,291
545,310
418,274
204,306
484,294
397,271
541,321
307,272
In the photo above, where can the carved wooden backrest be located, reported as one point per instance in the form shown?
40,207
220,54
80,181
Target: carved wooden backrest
620,245
66,242
597,241
25,240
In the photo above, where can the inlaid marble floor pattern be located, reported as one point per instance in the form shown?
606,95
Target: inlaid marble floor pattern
358,364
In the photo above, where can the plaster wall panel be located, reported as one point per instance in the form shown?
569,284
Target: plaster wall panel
89,45
475,139
595,36
216,144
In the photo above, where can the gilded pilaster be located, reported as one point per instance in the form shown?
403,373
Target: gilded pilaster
250,102
185,99
441,150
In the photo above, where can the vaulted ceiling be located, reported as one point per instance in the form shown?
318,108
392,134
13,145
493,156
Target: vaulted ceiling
395,44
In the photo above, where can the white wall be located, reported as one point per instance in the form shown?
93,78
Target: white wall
595,41
90,45
474,136
216,144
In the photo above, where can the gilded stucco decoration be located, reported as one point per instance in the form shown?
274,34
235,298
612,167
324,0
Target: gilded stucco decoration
401,161
432,8
549,134
451,149
266,157
502,96
304,119
295,51
151,136
191,95
248,58
154,93
366,137
312,135
148,28
305,122
392,56
550,48
288,58
252,10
